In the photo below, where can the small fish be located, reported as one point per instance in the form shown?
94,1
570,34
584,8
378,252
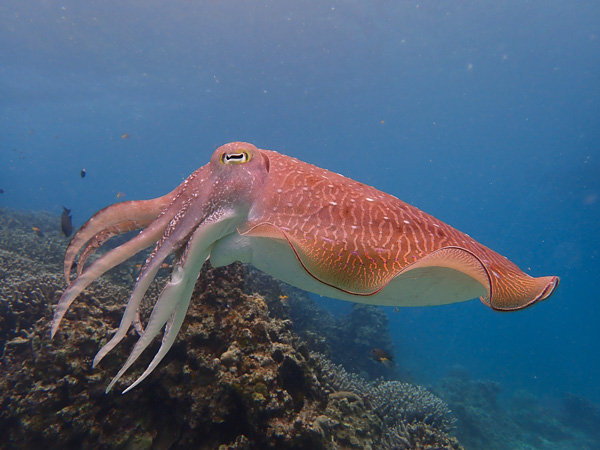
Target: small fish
82,173
38,231
125,136
65,222
382,356
1,191
396,309
120,194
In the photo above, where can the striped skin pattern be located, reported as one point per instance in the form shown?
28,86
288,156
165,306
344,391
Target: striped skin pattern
356,238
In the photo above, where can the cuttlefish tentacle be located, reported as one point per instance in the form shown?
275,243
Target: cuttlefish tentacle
171,307
309,227
108,222
137,320
103,264
175,236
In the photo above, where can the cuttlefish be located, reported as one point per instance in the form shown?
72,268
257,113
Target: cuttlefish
311,228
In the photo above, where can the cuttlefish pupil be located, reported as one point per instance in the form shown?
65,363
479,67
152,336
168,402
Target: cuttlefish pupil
311,228
235,158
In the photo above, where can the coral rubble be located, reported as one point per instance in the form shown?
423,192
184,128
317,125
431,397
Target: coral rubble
238,376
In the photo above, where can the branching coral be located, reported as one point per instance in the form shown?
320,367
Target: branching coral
408,412
397,402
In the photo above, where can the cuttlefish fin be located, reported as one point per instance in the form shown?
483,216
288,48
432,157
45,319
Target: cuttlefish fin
447,275
507,288
518,291
452,263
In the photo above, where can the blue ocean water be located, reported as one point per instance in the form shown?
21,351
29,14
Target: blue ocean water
482,114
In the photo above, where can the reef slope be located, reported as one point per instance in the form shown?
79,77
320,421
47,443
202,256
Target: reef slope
238,377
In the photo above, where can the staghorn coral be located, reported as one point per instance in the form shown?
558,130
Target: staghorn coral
236,378
417,435
397,402
349,422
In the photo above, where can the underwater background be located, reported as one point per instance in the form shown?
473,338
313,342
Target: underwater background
484,115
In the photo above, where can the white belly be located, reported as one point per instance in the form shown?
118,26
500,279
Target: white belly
419,287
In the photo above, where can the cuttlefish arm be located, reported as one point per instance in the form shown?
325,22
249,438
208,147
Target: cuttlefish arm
113,220
103,264
216,204
108,222
205,208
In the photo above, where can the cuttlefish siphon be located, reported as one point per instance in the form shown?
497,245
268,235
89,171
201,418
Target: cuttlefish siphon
311,228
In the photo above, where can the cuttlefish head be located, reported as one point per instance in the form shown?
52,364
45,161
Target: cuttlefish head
236,173
207,206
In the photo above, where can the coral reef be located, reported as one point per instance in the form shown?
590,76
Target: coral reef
238,376
403,402
410,415
17,236
347,340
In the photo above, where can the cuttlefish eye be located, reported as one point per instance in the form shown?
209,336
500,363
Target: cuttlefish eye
235,158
